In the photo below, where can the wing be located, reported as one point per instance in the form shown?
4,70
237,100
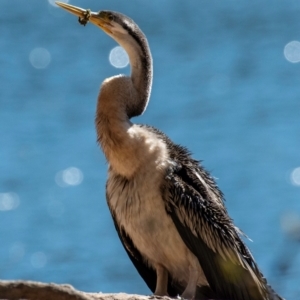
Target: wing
146,272
204,225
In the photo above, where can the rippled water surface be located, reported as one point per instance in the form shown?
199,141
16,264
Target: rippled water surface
226,85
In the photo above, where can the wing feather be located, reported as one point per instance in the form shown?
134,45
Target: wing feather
210,234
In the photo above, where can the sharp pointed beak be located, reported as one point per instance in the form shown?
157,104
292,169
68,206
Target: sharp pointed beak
77,11
85,15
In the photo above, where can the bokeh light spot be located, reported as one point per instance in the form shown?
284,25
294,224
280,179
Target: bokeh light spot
38,260
295,176
118,57
40,58
69,177
292,51
9,201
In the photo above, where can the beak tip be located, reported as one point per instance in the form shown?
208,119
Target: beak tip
77,11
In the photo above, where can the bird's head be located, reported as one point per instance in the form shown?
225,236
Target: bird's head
116,25
128,35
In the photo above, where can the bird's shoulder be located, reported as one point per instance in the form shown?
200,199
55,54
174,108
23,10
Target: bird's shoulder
184,169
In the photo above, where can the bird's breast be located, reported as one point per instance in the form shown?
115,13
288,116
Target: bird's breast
138,208
136,201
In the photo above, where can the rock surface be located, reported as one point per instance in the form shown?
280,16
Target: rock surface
17,290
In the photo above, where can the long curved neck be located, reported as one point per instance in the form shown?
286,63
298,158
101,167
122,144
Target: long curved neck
120,98
141,71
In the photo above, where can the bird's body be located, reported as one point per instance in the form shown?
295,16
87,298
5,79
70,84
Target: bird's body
139,208
168,211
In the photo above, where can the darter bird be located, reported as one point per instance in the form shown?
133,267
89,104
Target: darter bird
167,209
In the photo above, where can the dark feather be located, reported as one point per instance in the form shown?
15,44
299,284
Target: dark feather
207,235
198,212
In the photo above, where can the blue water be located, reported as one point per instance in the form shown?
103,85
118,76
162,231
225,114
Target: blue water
222,87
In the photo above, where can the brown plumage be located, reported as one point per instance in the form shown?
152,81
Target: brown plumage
168,211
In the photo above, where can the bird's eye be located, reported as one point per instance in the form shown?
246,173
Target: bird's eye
110,17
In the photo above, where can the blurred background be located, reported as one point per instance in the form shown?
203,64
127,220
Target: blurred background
226,85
